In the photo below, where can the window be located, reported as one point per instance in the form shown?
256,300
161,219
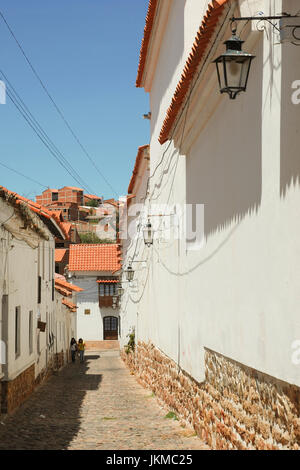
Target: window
54,196
87,311
30,332
108,289
39,289
17,332
106,292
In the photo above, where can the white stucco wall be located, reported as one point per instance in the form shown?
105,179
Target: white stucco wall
20,266
238,295
90,327
66,323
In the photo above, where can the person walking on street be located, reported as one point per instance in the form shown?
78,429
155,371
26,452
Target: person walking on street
73,347
81,348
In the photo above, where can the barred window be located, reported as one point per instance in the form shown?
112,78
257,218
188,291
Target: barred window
108,289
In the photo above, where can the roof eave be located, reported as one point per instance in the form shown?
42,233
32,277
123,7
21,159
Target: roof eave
155,24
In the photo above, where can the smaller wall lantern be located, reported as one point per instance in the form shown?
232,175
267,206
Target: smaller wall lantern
233,67
129,273
148,234
120,291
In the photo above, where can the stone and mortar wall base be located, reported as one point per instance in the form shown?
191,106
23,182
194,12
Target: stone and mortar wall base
236,407
15,392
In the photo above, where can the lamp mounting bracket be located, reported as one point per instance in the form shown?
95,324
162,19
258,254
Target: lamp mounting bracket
258,18
261,18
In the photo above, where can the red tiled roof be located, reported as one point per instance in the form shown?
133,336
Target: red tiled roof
104,281
136,167
70,305
67,285
112,202
206,30
37,208
95,257
60,254
71,187
92,196
146,39
63,291
67,226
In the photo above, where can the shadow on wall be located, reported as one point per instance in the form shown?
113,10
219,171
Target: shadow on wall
290,112
169,57
50,418
223,169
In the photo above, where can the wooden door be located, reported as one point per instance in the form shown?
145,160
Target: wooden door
110,328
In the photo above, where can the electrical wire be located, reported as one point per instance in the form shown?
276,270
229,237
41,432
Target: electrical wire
32,119
55,104
24,176
42,135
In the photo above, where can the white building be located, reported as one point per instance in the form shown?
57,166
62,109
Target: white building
222,311
66,318
95,268
27,293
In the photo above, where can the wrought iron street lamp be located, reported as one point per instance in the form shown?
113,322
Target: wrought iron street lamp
121,291
148,234
129,273
233,67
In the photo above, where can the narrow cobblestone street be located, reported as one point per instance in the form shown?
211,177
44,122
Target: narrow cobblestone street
97,405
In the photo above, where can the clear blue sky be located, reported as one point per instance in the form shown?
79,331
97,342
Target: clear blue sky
86,52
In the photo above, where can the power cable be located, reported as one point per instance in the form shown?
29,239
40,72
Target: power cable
21,174
55,105
43,136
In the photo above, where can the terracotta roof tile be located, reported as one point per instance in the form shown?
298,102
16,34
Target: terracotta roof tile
92,196
37,208
138,160
146,39
67,285
63,291
67,227
95,257
70,305
60,253
203,37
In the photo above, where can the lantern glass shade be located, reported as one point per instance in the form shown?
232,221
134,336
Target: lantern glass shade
233,68
148,234
129,273
120,290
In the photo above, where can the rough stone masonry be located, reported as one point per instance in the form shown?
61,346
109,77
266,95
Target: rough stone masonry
236,407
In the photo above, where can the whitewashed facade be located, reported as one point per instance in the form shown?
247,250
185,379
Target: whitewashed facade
29,315
237,294
26,254
90,316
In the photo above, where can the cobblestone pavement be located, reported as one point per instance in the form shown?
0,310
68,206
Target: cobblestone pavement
97,405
